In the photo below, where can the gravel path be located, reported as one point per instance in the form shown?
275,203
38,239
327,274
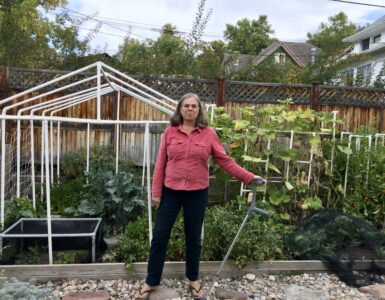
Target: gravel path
261,287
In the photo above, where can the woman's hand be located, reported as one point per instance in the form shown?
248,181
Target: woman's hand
259,180
156,201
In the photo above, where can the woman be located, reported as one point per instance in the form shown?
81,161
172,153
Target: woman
181,179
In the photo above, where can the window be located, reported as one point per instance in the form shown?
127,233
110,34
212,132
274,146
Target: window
377,38
365,44
365,72
280,58
349,77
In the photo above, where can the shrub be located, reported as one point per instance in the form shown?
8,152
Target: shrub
260,240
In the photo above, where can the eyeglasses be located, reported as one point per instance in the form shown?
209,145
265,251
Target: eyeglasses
187,106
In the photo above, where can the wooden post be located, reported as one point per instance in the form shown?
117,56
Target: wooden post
114,105
382,120
220,101
314,101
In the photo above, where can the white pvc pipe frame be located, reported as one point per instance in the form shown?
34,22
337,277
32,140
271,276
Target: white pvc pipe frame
74,99
45,120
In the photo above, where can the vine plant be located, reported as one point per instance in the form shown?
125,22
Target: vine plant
258,138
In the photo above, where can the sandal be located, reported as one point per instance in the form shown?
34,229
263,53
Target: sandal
143,295
195,292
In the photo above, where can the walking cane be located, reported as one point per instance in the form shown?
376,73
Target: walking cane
253,208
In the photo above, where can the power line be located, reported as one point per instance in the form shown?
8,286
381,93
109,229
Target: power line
105,23
143,26
359,3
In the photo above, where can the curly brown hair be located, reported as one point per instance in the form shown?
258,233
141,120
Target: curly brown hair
177,119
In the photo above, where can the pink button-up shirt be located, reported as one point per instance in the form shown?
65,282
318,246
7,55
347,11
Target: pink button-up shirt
182,160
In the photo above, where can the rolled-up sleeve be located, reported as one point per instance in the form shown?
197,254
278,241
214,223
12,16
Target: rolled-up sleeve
227,163
160,168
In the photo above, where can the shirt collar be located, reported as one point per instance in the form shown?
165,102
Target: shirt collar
196,128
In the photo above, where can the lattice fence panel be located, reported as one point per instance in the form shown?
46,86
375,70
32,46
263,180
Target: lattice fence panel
175,88
22,79
352,96
266,93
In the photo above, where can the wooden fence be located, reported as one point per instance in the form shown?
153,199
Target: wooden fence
356,106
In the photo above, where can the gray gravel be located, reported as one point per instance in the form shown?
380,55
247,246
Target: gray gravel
260,287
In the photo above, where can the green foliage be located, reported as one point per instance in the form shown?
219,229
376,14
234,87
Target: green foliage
134,244
380,78
29,39
365,193
136,57
34,255
12,289
64,195
171,54
295,197
329,67
249,37
102,158
117,198
114,197
209,63
260,239
22,208
330,35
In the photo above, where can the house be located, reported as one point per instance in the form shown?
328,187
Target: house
371,42
299,54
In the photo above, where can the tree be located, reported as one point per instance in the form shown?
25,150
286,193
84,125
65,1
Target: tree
330,35
331,61
136,57
249,37
29,39
171,55
209,63
380,78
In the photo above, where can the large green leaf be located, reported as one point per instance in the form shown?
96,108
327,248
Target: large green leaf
346,150
252,159
274,168
313,202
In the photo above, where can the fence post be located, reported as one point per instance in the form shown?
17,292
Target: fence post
220,101
314,101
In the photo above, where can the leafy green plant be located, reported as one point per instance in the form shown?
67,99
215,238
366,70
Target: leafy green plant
65,195
114,197
365,192
260,240
265,133
17,208
102,158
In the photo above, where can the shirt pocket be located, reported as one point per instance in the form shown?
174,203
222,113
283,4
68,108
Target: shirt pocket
176,149
199,150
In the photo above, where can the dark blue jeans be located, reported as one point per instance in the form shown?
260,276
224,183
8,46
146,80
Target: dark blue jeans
194,206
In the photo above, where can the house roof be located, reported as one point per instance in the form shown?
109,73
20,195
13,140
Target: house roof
375,28
300,53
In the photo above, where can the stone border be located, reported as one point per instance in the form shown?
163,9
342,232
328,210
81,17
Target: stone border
109,271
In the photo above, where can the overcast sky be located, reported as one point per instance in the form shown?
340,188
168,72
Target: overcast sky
290,19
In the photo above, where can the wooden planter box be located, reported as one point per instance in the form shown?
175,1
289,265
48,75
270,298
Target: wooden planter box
110,271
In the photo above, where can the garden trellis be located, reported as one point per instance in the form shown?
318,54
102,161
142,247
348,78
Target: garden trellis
41,105
324,132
